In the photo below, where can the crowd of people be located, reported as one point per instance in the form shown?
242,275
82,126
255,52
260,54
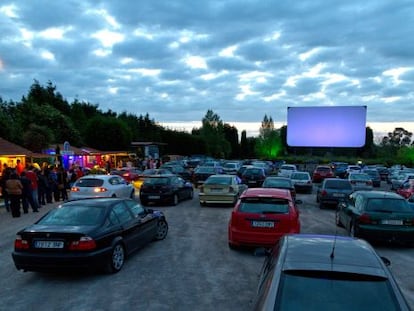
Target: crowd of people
33,186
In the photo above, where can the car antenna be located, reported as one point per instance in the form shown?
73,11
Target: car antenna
332,256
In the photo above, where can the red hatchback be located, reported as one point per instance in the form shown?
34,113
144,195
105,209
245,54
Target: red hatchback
262,216
321,172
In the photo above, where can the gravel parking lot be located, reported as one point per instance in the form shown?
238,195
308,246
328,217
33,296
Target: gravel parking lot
192,269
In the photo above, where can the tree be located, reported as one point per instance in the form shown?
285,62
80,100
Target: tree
212,131
269,142
232,136
398,138
37,138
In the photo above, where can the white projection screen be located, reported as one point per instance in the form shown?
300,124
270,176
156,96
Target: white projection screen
333,126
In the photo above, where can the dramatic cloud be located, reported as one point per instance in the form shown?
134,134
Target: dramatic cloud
241,58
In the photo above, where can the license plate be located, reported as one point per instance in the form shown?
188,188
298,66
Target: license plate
263,224
153,197
252,181
48,244
215,190
395,222
338,195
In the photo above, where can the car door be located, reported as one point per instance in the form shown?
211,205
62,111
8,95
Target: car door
130,226
346,211
147,221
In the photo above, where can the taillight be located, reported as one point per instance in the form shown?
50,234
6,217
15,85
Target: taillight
100,189
365,219
74,189
85,243
323,193
20,243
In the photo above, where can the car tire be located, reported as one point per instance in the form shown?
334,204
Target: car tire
162,230
174,200
117,259
337,221
353,231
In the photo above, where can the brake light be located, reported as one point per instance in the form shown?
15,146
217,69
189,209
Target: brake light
74,189
365,219
323,193
100,189
85,243
20,243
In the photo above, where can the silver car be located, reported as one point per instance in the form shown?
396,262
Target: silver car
360,181
101,186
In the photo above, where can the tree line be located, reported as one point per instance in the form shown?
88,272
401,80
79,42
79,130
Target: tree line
44,117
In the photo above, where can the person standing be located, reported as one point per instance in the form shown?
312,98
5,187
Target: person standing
27,196
14,189
5,175
32,176
62,179
19,167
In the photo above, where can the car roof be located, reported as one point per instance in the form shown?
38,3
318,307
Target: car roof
100,176
379,194
331,253
267,192
100,201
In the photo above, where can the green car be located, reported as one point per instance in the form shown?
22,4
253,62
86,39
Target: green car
377,216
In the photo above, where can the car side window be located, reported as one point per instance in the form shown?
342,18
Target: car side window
122,212
135,208
114,181
359,203
113,219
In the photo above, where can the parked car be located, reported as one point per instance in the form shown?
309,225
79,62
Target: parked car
360,181
383,171
302,182
377,215
323,272
242,169
178,170
332,190
406,190
374,175
149,172
231,168
286,169
221,189
253,176
165,189
130,174
261,217
97,233
201,173
101,186
352,169
339,168
280,183
321,172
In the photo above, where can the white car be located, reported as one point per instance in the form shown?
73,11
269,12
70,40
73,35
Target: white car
101,186
286,170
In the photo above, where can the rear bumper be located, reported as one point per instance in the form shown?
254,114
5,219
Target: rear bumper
387,233
252,239
217,198
67,261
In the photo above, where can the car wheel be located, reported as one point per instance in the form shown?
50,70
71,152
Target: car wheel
175,199
162,230
337,220
233,246
117,259
353,231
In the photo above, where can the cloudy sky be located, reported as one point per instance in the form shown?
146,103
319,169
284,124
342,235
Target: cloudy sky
240,58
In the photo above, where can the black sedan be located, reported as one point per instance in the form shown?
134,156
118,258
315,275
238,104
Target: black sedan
165,189
377,216
89,233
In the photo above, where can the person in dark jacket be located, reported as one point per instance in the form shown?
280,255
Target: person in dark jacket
27,196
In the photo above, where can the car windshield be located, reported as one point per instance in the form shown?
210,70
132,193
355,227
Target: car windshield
89,182
222,180
203,170
289,168
338,184
359,177
323,169
264,205
388,205
334,291
73,216
252,171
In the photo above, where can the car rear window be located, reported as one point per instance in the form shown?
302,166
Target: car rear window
218,181
300,176
277,183
157,181
89,182
73,216
334,291
264,205
338,184
388,205
323,169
